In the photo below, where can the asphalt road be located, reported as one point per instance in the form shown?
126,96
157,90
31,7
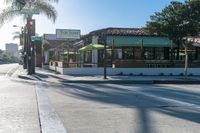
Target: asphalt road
109,108
32,106
18,104
8,69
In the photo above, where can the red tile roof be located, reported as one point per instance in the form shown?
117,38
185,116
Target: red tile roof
121,31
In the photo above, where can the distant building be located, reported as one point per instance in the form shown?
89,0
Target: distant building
12,49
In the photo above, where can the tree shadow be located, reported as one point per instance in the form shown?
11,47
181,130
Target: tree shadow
137,97
144,98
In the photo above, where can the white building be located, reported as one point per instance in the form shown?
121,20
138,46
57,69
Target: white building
12,49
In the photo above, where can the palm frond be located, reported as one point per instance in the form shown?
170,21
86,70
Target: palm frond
14,1
8,14
9,1
47,9
14,8
53,1
16,33
16,37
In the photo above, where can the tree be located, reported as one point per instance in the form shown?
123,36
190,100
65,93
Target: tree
17,35
15,6
178,21
14,9
8,58
169,23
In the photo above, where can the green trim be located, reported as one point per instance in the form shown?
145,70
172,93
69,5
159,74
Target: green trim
136,41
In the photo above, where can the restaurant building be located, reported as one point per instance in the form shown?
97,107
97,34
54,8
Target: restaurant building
133,47
129,48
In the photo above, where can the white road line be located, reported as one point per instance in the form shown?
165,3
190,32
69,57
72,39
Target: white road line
7,74
10,70
49,119
164,99
169,100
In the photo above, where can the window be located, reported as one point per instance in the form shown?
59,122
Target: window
88,57
149,53
128,53
159,53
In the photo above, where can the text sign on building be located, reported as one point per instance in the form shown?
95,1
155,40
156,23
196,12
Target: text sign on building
67,34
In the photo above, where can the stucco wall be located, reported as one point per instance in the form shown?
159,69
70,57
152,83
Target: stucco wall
126,71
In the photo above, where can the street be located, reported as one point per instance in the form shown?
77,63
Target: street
33,106
18,105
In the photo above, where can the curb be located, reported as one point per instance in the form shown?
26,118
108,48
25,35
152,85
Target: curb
109,81
29,77
65,81
176,81
135,82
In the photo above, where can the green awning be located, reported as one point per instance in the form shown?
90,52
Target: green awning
135,41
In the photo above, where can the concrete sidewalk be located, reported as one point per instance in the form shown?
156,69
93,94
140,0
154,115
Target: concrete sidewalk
50,76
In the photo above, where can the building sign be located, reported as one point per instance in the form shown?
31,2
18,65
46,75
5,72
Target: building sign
50,37
67,34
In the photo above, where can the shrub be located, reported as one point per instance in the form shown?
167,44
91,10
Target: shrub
120,74
190,74
181,74
141,74
131,74
161,74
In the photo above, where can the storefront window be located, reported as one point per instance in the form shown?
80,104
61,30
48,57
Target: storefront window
137,53
159,53
149,53
198,53
117,54
88,57
154,53
128,53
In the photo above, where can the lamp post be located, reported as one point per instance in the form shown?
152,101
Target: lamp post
105,61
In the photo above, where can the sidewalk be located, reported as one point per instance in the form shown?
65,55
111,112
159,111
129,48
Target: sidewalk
50,76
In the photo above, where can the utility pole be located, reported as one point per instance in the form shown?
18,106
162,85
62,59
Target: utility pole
30,46
30,26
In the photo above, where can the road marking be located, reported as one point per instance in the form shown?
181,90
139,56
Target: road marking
49,119
169,100
7,74
12,70
175,102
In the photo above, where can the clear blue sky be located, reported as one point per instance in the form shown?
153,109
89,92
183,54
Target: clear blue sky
89,15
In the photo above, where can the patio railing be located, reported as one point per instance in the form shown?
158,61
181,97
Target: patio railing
129,64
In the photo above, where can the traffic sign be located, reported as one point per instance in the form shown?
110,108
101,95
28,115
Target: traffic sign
30,11
37,38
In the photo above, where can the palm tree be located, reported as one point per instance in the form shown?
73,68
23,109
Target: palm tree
15,6
17,35
14,10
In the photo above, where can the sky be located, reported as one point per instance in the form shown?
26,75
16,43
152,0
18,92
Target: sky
88,15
